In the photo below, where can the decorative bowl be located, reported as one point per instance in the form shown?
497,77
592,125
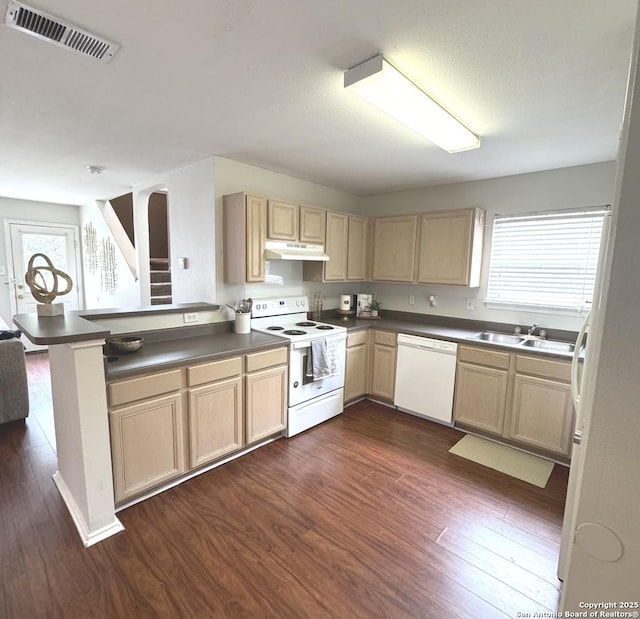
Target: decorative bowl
126,343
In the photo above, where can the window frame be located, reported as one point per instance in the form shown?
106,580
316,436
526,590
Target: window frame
508,226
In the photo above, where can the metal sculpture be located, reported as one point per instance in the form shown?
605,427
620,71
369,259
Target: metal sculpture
38,284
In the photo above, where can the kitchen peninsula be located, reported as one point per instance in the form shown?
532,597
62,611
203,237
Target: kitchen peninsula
79,378
195,396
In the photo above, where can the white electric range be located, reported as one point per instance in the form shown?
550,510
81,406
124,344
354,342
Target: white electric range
311,401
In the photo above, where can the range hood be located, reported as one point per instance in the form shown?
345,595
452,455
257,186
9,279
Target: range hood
285,250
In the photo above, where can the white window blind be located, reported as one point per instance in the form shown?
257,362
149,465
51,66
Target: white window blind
546,259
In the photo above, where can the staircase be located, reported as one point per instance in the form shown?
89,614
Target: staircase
160,281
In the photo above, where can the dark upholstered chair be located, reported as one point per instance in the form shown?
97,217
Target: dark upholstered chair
14,390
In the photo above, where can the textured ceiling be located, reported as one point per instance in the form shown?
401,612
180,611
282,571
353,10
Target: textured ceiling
260,81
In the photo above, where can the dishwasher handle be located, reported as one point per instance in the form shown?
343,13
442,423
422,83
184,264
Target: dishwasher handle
425,343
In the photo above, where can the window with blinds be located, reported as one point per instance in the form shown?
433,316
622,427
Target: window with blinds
546,259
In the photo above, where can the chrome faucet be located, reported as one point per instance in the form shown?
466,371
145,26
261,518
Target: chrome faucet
532,328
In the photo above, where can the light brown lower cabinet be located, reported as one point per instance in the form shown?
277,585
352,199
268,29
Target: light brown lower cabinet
216,418
481,388
147,445
481,396
356,368
524,399
542,407
383,365
166,423
266,402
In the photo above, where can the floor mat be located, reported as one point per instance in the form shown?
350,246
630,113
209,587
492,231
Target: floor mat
505,459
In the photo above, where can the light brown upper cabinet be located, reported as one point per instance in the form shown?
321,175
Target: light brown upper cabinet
335,270
450,249
282,220
394,248
244,233
345,244
357,248
289,222
312,224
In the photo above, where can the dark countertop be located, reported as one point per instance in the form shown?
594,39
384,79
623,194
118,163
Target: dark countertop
145,310
77,326
69,327
160,355
450,329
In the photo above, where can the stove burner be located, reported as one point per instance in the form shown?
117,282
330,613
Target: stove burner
275,328
305,324
324,327
294,332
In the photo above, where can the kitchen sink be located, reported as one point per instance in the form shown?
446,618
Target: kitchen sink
525,341
498,338
554,345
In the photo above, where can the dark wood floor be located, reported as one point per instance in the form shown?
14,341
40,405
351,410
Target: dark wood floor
367,515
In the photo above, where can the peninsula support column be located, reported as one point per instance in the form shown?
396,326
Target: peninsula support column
84,476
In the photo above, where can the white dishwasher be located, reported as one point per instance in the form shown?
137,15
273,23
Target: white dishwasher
425,377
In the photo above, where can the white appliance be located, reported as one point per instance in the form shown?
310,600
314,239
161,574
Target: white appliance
425,377
287,250
310,401
578,380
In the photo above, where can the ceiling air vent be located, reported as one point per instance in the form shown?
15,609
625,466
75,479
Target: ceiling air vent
57,31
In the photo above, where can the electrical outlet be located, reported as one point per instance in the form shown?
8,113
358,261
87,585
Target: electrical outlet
412,299
470,304
190,317
433,300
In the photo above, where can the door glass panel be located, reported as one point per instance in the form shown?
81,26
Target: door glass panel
54,247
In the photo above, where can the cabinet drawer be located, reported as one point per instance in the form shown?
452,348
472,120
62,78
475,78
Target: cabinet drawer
357,338
386,338
216,370
557,370
266,359
144,387
479,356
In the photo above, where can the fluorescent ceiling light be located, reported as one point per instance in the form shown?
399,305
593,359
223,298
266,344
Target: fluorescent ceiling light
383,86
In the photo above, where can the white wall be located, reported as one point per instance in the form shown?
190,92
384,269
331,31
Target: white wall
11,208
190,199
232,177
127,293
581,186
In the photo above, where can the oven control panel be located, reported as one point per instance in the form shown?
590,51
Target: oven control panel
279,306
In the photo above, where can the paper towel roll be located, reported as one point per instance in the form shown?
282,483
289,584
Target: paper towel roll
345,301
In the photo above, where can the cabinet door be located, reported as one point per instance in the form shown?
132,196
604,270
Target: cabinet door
357,248
255,237
451,247
542,413
336,247
266,403
383,372
146,445
215,420
480,397
394,248
282,220
355,381
313,222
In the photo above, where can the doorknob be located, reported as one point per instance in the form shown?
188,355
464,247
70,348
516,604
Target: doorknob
20,296
20,286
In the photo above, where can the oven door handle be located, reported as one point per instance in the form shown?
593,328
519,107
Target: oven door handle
300,345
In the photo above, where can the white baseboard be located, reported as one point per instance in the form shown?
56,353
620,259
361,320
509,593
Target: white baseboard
88,537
